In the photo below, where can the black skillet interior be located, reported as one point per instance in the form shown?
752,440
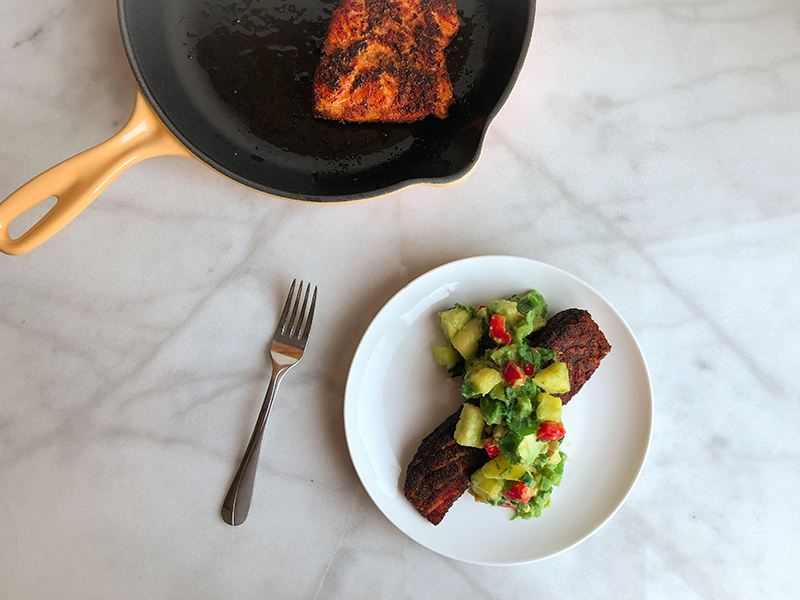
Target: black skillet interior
233,79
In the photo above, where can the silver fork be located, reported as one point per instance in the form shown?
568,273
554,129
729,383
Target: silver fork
288,345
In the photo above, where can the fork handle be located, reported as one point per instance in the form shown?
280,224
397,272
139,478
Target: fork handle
237,502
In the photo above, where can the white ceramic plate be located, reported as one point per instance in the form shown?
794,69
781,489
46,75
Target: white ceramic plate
396,394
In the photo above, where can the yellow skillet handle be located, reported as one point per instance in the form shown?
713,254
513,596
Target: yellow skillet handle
77,181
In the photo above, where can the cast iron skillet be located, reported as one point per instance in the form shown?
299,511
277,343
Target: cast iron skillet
229,82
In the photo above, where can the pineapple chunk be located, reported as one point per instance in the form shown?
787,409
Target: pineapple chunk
488,490
500,468
553,379
466,339
469,429
549,408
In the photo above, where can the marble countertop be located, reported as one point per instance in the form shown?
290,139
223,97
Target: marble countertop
649,148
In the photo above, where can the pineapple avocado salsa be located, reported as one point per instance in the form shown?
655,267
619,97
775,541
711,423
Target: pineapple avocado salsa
511,409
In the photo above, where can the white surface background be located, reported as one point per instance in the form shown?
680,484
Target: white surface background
650,148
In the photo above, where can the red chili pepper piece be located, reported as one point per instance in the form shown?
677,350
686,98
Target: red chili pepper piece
550,430
497,330
513,374
519,492
491,448
529,370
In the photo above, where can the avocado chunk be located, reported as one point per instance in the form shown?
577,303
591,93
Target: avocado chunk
469,429
529,448
523,315
450,321
553,379
507,309
446,356
481,382
503,354
534,307
493,410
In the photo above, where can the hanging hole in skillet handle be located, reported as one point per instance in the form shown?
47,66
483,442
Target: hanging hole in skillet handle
77,181
23,223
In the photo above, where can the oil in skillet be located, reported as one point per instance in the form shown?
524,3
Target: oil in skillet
260,58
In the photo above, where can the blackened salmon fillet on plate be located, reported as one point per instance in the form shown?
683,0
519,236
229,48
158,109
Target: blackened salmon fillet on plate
577,341
383,61
440,471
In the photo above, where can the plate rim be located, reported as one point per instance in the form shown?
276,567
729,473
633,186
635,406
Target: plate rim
350,403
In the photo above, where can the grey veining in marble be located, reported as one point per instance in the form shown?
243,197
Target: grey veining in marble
650,148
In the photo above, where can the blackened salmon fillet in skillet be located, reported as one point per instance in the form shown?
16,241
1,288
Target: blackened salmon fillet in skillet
440,471
383,61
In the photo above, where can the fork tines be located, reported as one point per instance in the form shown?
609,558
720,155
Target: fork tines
297,326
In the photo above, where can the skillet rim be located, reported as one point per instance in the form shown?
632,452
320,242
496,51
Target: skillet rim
442,181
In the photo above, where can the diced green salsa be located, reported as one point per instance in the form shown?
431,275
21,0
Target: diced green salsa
513,410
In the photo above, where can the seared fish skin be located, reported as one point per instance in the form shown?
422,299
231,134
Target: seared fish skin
439,472
383,61
577,341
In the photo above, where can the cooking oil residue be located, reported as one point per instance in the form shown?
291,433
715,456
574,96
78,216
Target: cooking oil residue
261,58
